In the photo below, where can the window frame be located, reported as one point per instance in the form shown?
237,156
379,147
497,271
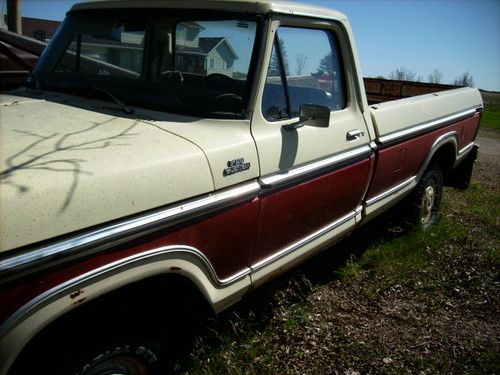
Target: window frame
328,26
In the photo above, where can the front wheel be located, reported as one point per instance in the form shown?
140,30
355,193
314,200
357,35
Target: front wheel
122,359
426,200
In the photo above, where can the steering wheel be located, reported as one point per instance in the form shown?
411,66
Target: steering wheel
169,74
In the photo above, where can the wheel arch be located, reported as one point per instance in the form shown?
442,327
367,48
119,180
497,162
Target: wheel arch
444,151
178,264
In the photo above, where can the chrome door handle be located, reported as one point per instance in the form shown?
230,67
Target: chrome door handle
352,135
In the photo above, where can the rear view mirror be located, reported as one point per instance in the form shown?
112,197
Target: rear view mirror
311,115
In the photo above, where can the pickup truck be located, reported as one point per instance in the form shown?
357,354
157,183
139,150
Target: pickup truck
168,156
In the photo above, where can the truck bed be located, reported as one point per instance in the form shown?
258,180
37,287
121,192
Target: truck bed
395,119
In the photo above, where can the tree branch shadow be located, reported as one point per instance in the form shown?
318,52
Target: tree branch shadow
28,159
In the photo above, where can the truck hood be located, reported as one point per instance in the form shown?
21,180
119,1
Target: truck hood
65,166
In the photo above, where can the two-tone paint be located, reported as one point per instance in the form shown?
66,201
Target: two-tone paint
240,229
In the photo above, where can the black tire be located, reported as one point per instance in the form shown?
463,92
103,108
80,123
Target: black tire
121,358
426,199
101,355
86,343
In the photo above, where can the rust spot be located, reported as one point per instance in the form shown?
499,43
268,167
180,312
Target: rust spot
80,300
175,268
75,293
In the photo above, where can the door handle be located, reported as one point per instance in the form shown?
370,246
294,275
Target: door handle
352,135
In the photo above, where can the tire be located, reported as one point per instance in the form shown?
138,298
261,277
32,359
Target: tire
123,359
426,199
93,347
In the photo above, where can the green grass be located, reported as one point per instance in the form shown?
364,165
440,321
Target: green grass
491,119
491,116
445,279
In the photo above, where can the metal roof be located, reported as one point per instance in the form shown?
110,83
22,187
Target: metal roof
243,6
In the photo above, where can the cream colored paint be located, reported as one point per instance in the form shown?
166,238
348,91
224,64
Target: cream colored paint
75,167
281,150
221,141
245,6
393,116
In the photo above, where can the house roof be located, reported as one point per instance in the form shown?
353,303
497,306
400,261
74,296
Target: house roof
193,24
209,44
206,45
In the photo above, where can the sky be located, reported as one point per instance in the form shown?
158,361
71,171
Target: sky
453,36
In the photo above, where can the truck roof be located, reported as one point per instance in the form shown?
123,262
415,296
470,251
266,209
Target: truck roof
243,6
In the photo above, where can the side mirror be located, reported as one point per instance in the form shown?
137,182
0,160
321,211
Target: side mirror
312,115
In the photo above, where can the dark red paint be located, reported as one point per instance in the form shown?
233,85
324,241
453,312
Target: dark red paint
226,239
298,211
398,163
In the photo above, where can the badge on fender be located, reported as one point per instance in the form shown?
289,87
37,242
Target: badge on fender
236,166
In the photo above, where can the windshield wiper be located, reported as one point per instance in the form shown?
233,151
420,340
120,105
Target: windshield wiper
125,108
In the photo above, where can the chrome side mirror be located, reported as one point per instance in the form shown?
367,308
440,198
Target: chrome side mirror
311,115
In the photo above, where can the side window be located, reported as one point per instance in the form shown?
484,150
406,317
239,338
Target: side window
274,105
312,69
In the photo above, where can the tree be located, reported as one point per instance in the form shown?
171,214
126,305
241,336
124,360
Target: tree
275,67
325,65
300,61
402,74
435,77
465,79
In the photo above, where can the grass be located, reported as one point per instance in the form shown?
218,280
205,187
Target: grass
385,301
491,116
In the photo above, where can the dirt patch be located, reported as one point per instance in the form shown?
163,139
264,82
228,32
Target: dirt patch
487,168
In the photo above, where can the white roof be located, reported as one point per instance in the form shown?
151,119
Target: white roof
250,6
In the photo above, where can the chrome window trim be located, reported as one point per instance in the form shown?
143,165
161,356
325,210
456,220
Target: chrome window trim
302,171
304,241
427,126
391,191
110,235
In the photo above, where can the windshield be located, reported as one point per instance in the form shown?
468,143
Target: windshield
185,65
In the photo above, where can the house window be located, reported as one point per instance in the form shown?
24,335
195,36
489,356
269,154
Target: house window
212,63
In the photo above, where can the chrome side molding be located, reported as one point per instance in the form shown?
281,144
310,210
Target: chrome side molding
428,126
110,235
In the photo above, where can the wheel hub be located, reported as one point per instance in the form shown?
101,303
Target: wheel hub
427,203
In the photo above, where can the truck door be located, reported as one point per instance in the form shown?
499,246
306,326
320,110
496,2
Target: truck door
313,178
